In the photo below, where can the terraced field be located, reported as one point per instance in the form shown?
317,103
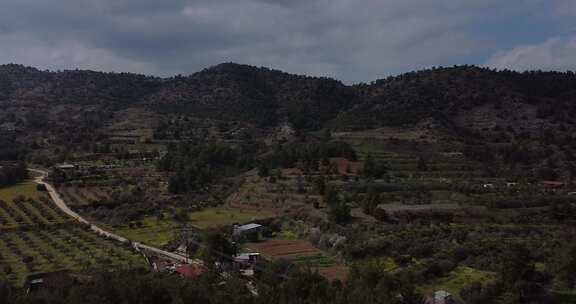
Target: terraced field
302,253
222,216
36,237
83,196
403,161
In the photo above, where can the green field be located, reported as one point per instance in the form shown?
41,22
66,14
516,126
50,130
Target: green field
319,260
27,189
388,264
218,217
35,209
458,279
37,237
23,253
159,232
150,230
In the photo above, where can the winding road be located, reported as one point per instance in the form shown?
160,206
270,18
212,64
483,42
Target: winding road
57,199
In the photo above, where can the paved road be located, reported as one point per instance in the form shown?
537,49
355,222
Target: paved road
57,199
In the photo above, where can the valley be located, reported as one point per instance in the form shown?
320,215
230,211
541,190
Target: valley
455,182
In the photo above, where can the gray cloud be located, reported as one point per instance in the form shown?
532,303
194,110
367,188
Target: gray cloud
353,40
66,55
558,53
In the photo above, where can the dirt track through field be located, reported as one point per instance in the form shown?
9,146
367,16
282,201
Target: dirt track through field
60,203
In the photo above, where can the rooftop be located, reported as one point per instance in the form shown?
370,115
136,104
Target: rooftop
190,271
247,227
66,166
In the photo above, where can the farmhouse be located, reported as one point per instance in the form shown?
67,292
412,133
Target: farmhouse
189,271
440,297
245,263
246,258
344,166
163,265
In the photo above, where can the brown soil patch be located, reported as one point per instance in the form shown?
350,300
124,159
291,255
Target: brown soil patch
291,249
336,272
284,249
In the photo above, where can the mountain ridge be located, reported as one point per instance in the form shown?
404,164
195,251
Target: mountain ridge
267,97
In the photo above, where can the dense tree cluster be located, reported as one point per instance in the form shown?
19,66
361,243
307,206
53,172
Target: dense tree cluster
198,165
267,97
75,86
441,93
12,173
278,282
338,208
374,168
259,95
11,150
308,156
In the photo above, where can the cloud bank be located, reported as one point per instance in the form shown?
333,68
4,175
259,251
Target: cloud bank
352,40
558,54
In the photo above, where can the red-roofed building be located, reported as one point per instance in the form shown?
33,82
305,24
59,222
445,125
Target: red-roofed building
190,271
344,166
553,184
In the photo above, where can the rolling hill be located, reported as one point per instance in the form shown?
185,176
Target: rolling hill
458,99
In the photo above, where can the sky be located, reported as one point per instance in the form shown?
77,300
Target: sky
350,40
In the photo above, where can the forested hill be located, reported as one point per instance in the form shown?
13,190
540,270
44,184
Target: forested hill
19,84
458,97
465,96
258,95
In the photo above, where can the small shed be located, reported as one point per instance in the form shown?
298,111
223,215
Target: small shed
247,258
245,263
248,231
66,167
248,228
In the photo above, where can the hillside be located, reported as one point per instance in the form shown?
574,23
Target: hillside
451,179
466,98
259,95
23,85
458,100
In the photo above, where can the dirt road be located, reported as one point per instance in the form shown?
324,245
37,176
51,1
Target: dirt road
57,199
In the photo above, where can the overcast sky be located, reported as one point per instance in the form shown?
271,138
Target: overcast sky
351,40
